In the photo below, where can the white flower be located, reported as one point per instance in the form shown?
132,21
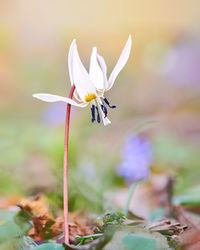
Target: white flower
90,88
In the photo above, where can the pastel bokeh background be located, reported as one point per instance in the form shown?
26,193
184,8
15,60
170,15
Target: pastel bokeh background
157,94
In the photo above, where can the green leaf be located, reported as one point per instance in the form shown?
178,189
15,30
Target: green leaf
23,221
123,236
120,215
88,238
113,218
5,215
8,230
189,198
134,241
16,226
12,227
49,246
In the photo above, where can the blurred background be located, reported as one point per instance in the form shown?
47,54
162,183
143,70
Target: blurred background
157,97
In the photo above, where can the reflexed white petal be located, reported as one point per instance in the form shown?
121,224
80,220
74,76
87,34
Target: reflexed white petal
95,72
121,62
70,65
102,64
81,77
56,98
104,70
70,58
105,120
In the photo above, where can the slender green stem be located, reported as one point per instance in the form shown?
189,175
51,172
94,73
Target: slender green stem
130,194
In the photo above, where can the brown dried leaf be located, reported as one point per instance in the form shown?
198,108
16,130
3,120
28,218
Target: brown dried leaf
42,220
58,226
81,228
169,227
37,206
189,218
165,226
45,226
190,239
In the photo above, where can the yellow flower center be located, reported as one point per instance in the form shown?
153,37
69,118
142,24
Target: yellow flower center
89,97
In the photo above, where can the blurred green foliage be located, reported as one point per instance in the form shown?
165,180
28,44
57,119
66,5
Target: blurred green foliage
177,157
91,174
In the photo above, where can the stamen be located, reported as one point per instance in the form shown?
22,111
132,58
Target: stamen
104,109
89,97
107,102
93,112
98,115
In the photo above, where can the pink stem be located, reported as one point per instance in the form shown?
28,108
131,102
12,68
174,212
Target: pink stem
65,174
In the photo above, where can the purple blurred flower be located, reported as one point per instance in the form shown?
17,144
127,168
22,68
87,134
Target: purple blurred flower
136,159
181,63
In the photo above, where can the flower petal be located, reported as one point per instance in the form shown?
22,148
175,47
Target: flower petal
70,65
121,62
70,61
81,77
102,64
95,71
56,98
106,121
104,70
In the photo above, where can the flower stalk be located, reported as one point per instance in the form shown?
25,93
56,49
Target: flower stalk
89,90
65,169
130,195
